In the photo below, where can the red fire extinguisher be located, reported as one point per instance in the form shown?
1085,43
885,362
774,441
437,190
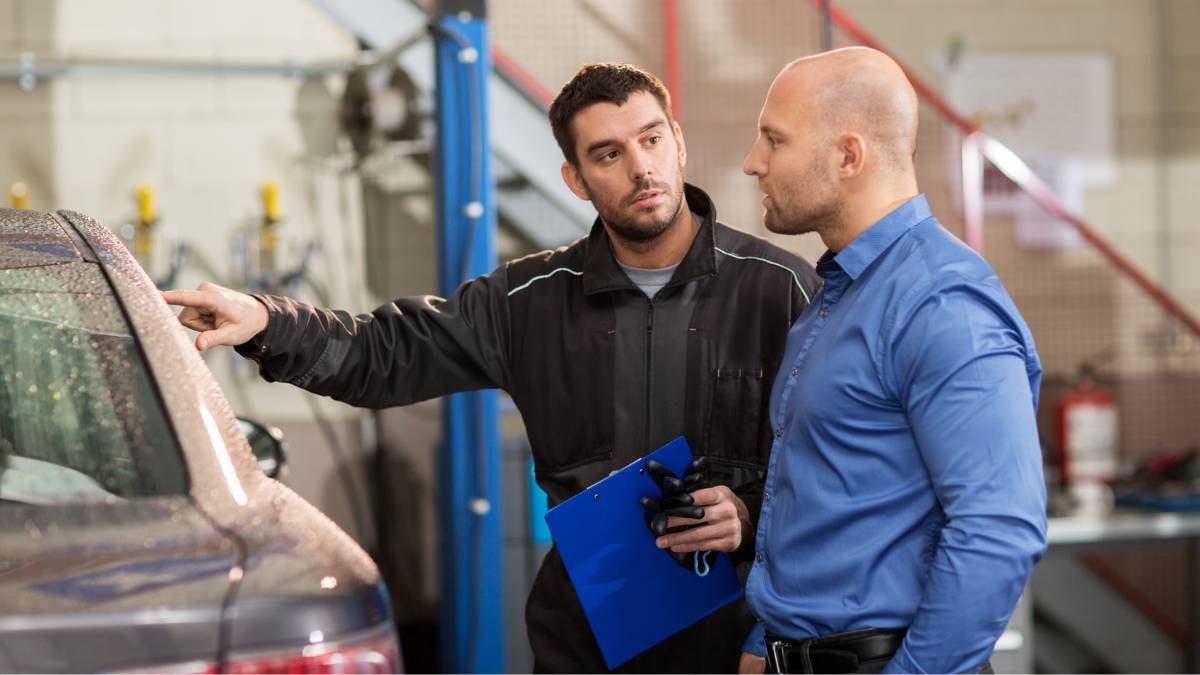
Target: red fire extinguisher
1087,433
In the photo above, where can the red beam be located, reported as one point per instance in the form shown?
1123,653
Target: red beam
671,55
1018,172
521,77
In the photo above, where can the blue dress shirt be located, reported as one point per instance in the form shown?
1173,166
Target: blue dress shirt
905,482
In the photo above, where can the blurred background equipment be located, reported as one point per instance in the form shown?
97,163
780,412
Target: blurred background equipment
155,245
1087,425
18,195
379,105
271,254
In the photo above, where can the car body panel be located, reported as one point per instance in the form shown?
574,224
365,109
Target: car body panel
32,242
90,587
240,547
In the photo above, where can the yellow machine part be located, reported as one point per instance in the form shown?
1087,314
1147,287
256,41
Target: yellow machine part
147,217
18,195
269,235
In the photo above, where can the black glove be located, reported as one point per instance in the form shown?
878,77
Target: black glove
676,502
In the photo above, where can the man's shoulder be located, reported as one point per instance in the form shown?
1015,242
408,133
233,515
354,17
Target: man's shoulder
734,244
529,269
938,258
939,266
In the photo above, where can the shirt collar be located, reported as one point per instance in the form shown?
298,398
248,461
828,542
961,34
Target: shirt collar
866,247
600,270
827,264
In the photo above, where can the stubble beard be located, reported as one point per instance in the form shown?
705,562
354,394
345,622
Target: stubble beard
622,221
813,216
808,205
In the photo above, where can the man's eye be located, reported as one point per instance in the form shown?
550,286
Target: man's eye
771,141
609,156
653,140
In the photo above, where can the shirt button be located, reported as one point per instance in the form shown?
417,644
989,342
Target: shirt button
766,496
758,557
824,312
779,432
795,371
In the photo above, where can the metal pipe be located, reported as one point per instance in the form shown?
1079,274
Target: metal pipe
28,70
972,193
826,25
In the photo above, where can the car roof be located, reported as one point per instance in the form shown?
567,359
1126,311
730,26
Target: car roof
33,239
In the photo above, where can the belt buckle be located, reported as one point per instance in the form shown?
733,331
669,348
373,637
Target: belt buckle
778,655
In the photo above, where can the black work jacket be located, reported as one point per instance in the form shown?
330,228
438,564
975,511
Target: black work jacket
600,373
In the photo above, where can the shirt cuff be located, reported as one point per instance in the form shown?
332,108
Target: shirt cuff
756,642
903,662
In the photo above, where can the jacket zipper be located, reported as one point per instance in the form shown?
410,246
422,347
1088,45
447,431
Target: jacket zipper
646,426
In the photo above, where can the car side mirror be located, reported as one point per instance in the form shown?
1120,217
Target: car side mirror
267,444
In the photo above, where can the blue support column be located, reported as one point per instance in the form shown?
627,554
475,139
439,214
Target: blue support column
469,465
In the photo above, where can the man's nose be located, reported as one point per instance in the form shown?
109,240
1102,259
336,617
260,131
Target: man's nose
753,164
640,165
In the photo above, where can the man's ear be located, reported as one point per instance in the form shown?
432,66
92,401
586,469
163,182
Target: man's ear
574,181
679,143
852,154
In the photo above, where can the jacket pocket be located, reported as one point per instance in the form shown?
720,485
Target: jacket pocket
563,481
735,407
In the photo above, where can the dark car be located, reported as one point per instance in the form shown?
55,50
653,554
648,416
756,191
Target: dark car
137,532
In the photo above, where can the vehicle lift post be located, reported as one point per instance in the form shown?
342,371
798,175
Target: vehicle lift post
469,485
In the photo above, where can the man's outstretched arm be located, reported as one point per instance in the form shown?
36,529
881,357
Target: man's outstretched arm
404,351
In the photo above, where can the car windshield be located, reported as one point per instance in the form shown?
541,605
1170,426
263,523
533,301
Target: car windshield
80,419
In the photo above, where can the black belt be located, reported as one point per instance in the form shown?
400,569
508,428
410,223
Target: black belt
840,653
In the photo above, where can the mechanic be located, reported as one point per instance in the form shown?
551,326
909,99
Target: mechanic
904,502
661,322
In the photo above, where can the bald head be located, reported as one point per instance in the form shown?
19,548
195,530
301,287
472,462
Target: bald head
836,138
860,90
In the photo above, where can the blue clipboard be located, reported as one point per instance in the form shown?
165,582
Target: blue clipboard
633,593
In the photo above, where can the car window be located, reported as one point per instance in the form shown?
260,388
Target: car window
80,419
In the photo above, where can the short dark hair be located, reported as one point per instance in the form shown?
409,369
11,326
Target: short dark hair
600,83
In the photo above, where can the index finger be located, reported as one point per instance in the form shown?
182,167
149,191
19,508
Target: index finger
693,536
199,299
707,496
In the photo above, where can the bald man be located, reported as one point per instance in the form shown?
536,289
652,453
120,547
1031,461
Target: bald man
904,506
